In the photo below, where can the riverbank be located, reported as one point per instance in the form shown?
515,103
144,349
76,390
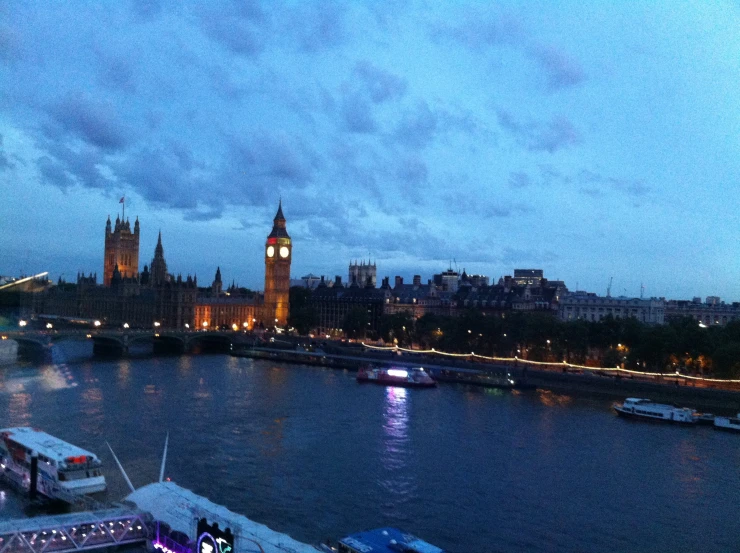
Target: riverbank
478,374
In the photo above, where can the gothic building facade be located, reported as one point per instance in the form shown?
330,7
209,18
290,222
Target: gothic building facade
121,249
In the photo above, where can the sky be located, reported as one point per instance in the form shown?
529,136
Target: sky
592,140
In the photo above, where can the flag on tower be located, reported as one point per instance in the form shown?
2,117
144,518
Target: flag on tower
121,200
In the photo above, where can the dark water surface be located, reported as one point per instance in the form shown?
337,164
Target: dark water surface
312,453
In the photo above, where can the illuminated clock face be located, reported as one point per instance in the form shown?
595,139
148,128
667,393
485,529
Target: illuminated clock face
270,251
284,252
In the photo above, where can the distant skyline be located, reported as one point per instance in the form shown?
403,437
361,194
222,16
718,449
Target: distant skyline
591,141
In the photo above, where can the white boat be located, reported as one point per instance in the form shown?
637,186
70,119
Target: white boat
727,423
644,409
59,470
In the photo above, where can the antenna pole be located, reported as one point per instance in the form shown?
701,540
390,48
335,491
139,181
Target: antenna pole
120,466
164,457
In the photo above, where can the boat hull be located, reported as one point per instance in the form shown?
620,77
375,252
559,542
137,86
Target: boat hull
637,416
725,426
395,382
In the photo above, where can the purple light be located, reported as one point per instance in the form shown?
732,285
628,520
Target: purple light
398,372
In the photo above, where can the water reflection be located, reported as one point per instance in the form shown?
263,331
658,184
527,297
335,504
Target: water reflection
398,483
92,410
20,409
551,399
395,427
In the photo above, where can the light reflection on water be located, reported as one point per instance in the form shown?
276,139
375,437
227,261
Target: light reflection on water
395,427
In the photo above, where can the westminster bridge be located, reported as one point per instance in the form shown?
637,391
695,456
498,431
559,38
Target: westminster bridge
37,344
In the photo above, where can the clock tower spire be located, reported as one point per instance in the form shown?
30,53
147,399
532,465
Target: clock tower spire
278,255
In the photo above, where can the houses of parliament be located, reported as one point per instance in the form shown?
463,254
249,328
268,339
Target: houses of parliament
154,297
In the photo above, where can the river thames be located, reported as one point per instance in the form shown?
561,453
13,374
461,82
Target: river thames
312,453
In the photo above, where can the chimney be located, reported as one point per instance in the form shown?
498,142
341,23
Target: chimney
399,281
337,280
417,280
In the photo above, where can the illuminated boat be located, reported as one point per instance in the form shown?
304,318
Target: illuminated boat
37,462
397,376
644,409
727,423
382,540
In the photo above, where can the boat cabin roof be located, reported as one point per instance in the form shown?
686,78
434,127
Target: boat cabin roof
45,444
388,540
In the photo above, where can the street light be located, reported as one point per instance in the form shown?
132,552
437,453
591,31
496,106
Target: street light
125,325
205,325
234,327
97,323
245,324
187,325
22,323
49,326
157,324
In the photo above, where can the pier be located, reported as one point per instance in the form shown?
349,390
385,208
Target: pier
85,531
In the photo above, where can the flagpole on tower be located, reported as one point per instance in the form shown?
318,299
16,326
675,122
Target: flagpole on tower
123,201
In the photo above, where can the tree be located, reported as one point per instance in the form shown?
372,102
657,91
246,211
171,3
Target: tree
726,360
302,314
355,322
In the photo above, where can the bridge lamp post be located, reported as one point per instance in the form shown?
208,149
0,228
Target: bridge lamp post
49,326
125,325
22,323
187,325
205,325
157,324
245,324
97,324
234,327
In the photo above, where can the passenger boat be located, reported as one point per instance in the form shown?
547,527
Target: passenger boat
397,376
381,540
38,462
644,409
727,423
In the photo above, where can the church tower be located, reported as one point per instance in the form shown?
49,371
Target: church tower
159,265
278,252
121,250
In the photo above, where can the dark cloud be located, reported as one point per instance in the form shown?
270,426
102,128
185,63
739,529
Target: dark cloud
381,85
550,137
276,156
10,37
242,27
412,170
480,29
116,73
83,164
418,127
519,179
146,10
317,26
4,161
484,30
53,173
357,114
595,184
96,122
562,70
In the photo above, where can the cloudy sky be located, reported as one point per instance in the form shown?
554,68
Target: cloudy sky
592,140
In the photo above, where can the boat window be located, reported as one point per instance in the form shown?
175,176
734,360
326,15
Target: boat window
62,476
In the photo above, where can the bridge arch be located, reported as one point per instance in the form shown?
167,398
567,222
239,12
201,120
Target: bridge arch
210,342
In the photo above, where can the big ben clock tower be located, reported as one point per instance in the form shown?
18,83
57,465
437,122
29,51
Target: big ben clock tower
278,252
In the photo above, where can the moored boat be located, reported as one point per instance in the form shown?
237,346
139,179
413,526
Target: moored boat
397,376
381,540
40,463
727,423
644,409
